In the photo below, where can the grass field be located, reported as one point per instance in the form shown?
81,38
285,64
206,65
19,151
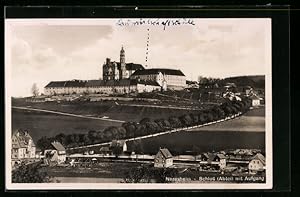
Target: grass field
108,108
247,131
44,124
202,141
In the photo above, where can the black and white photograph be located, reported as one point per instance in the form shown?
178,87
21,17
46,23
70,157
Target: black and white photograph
138,103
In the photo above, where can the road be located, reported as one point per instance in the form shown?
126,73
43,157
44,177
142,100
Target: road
68,114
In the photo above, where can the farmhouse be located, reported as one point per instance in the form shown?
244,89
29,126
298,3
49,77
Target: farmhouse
221,159
257,163
163,159
255,100
57,153
23,146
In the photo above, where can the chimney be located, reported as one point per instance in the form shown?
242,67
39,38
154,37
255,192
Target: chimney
107,60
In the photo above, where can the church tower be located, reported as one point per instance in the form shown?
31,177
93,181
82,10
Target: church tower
122,64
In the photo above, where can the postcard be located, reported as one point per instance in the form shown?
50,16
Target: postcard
138,103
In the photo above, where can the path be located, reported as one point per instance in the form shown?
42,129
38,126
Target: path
160,106
68,114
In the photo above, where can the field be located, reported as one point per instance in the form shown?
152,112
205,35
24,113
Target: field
44,124
107,108
203,141
247,131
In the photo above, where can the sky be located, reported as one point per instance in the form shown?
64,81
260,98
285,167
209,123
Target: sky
43,50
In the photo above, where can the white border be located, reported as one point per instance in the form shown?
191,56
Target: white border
125,186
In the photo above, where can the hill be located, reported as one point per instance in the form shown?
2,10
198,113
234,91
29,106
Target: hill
255,81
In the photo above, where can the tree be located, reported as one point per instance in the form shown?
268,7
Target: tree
30,173
144,120
138,146
92,135
175,122
34,90
44,143
140,174
186,120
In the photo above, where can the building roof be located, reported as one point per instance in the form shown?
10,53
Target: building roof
94,83
58,146
221,156
98,83
91,83
157,70
55,84
254,97
21,139
133,66
148,82
166,153
260,157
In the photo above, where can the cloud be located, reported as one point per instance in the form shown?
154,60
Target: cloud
216,48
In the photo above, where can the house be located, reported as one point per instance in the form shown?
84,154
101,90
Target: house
257,163
23,146
255,100
120,144
221,158
57,153
163,159
204,157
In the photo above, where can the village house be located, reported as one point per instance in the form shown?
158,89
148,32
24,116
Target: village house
163,159
257,164
255,100
23,146
222,160
56,154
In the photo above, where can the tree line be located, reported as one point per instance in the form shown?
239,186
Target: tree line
147,126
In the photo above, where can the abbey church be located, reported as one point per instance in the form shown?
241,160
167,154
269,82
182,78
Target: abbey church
121,78
119,70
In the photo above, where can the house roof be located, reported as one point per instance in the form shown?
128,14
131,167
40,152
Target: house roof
221,156
58,146
260,157
157,70
254,97
22,139
166,153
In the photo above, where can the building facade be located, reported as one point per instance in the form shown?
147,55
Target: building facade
257,164
112,70
23,146
166,78
163,159
121,77
122,86
56,154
